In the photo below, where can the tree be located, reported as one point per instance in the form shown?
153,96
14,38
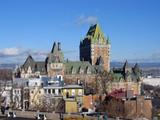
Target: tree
103,80
5,80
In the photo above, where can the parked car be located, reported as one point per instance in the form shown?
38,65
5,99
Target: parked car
11,114
41,116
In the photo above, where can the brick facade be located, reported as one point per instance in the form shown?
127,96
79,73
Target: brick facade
94,46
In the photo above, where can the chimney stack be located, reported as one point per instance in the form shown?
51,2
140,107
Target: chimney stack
59,46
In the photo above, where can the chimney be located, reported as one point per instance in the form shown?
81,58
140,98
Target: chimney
59,46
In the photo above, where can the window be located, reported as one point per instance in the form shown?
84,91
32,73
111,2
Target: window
45,90
35,83
80,92
27,84
73,92
59,91
15,91
53,91
49,91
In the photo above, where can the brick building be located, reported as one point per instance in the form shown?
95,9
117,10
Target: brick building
95,48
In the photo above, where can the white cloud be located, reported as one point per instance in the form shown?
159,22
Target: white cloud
10,51
86,20
15,54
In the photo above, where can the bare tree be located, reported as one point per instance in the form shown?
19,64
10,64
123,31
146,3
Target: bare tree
103,80
5,79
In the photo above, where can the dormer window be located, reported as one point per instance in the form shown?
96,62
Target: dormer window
88,70
73,71
29,70
81,71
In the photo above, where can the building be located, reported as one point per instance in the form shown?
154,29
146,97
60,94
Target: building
134,108
94,60
95,48
55,64
31,68
54,86
73,97
127,78
17,98
55,60
73,91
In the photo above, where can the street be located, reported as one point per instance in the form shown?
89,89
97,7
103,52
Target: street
18,118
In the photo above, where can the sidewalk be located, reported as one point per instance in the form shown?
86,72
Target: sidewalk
31,114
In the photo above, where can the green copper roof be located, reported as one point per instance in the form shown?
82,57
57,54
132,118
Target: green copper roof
77,65
96,35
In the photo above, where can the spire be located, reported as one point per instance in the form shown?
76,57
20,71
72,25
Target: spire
126,65
136,68
54,48
108,40
59,46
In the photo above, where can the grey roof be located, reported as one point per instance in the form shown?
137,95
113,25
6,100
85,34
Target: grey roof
29,62
56,54
40,66
35,65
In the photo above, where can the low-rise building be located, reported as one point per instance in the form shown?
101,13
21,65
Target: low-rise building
54,86
73,96
17,97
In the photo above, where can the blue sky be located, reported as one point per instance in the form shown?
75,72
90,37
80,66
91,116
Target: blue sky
31,27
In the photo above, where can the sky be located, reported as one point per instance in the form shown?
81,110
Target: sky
31,27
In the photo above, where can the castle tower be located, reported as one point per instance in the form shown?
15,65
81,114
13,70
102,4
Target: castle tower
54,61
95,47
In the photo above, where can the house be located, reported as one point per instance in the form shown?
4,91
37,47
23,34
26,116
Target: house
54,86
17,98
73,97
73,91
